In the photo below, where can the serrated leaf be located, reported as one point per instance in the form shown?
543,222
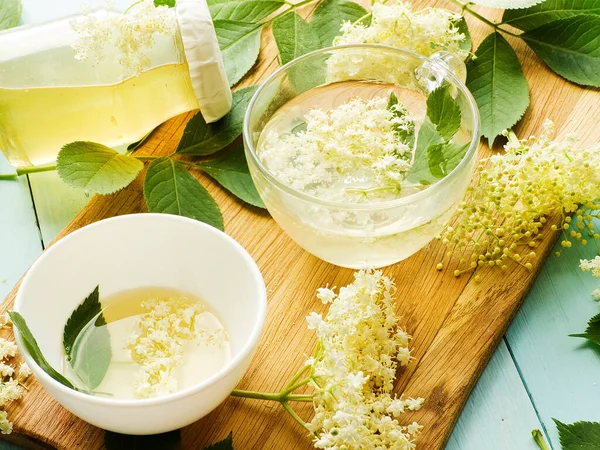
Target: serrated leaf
506,4
96,167
231,171
444,112
32,347
169,3
200,138
427,137
294,37
467,43
225,444
170,189
91,358
10,13
592,332
406,136
579,435
240,44
496,80
250,11
549,11
570,47
329,16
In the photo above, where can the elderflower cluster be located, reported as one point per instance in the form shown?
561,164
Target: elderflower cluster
11,386
158,344
131,33
502,216
593,266
354,369
426,32
350,153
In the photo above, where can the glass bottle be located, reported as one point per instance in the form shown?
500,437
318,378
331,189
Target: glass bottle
82,78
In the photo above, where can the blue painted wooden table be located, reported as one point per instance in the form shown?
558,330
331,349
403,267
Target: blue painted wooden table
537,373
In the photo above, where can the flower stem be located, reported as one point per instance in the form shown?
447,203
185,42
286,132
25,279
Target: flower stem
539,439
25,170
292,413
276,397
465,7
146,158
299,398
288,390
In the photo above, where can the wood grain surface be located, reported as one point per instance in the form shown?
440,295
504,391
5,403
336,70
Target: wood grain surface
456,322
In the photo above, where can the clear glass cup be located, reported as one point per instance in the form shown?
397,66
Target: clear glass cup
377,233
49,96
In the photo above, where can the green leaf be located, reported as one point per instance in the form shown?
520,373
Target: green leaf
231,171
444,112
89,352
10,13
32,347
96,167
200,138
592,332
250,11
496,80
329,16
240,44
466,44
579,435
570,47
170,189
169,3
293,36
549,11
406,136
225,444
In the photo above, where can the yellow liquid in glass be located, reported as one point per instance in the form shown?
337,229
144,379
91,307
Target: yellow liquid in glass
36,122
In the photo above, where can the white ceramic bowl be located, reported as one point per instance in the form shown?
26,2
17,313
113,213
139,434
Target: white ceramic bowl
132,251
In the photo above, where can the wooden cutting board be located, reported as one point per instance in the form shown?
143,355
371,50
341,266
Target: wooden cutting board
456,322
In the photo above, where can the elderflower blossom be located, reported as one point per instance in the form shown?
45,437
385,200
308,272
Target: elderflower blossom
425,31
354,369
158,345
24,371
350,153
7,349
593,266
6,425
131,33
503,214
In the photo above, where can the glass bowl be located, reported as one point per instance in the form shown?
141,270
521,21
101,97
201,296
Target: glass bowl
375,233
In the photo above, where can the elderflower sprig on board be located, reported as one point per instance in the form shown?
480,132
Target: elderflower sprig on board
11,381
503,214
353,370
593,266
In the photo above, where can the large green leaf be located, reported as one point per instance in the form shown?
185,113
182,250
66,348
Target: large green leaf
294,37
571,47
34,350
330,15
549,11
10,13
87,341
592,332
240,44
231,171
170,189
201,138
243,10
496,79
225,444
96,167
467,43
579,435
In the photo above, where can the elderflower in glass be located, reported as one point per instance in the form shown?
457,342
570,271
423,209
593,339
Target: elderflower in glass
312,107
106,76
